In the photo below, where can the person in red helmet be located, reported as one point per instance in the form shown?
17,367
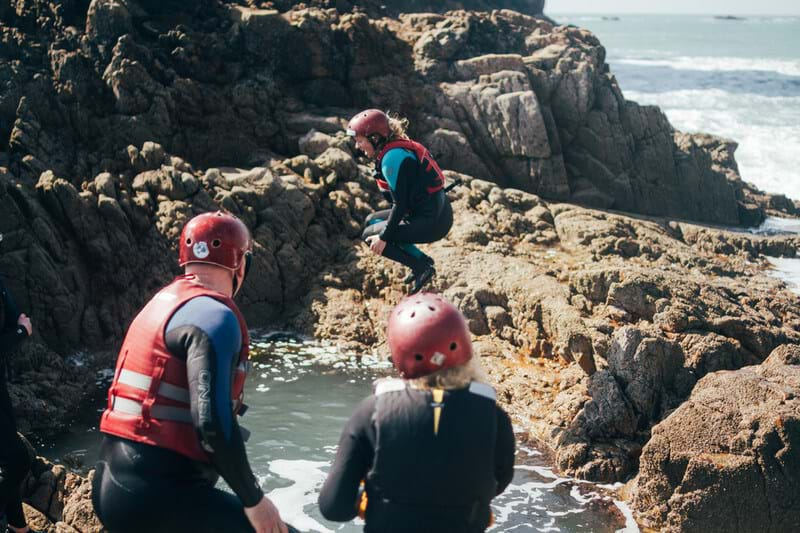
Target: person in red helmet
170,426
432,448
410,179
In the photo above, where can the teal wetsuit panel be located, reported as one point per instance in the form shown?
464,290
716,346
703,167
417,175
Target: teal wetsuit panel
390,164
408,247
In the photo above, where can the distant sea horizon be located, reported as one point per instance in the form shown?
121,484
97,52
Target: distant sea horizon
738,79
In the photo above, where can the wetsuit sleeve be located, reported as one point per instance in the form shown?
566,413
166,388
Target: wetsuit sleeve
338,497
11,333
400,171
10,338
206,332
504,451
383,185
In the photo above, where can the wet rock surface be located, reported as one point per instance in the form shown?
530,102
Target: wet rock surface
120,121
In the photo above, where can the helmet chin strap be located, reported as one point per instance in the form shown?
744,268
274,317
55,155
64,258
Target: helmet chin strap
248,259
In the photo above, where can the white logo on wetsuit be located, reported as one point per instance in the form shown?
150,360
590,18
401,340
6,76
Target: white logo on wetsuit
200,250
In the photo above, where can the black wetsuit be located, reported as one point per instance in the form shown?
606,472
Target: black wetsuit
14,460
142,488
419,478
416,216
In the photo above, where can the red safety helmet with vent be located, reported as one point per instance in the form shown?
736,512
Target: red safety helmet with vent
426,333
368,123
217,238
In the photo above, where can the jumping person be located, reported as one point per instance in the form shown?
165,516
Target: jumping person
14,460
171,423
410,179
433,448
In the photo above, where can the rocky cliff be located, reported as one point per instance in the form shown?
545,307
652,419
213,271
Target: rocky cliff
506,96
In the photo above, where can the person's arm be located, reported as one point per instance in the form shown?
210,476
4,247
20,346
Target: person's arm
400,169
9,339
383,185
504,451
338,499
11,332
207,333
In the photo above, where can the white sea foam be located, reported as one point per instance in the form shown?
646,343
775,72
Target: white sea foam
787,269
307,477
777,226
766,128
720,64
630,522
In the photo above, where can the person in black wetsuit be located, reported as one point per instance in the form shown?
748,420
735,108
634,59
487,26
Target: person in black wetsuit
171,423
432,449
410,179
14,460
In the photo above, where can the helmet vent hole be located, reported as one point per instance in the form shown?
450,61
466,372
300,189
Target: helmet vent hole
189,241
453,346
413,314
215,243
431,308
418,357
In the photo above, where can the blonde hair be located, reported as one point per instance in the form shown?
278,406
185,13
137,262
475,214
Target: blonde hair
398,126
456,377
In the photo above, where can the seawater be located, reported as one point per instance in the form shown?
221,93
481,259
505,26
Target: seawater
738,79
300,395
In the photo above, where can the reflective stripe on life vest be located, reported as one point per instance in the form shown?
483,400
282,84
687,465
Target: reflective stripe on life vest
157,412
142,381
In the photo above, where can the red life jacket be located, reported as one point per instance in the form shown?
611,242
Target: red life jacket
148,400
430,172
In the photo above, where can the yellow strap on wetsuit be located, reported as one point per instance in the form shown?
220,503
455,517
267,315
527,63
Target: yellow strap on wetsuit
438,396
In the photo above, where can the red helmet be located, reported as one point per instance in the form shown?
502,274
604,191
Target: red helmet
217,238
426,333
369,122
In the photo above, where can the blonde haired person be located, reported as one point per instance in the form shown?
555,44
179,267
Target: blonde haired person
433,448
409,178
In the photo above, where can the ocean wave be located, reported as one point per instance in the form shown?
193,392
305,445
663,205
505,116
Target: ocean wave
785,67
788,270
766,128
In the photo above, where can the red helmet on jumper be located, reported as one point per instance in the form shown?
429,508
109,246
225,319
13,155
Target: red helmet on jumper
217,238
426,333
368,123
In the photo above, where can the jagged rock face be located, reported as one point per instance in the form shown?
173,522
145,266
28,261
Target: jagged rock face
501,95
732,445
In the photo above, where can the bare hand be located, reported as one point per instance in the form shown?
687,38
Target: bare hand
25,322
264,517
376,244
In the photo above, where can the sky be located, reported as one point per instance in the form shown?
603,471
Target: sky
705,7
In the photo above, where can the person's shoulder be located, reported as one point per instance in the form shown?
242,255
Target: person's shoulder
398,153
387,385
392,160
483,390
207,313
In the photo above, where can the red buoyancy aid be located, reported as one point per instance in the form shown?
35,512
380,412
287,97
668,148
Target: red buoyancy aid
429,169
148,401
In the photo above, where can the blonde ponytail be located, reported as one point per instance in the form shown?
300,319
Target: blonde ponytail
398,126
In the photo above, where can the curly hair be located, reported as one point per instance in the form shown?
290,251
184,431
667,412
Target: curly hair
398,126
456,377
